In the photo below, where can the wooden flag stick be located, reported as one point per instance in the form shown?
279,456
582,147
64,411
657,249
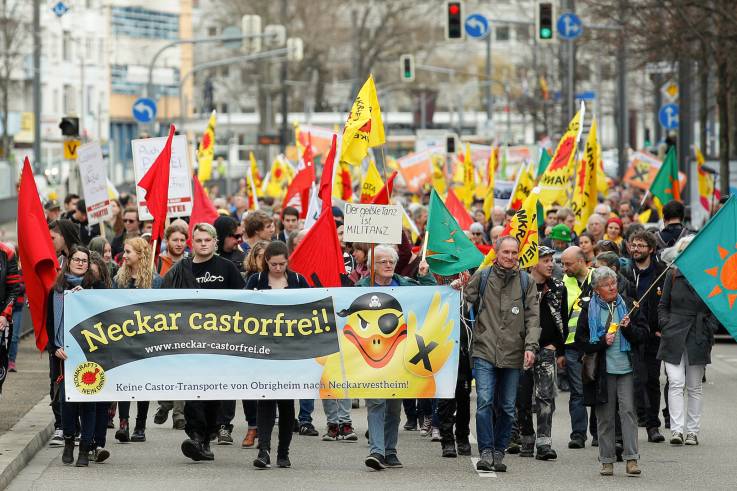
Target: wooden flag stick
424,245
373,260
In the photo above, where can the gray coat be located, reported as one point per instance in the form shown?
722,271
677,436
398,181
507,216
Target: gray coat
685,323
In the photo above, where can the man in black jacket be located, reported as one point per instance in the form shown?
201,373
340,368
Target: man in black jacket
673,215
9,289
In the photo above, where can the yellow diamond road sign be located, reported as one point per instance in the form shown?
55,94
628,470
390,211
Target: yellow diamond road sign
670,91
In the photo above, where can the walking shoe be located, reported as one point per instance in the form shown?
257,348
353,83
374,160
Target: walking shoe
67,457
486,462
514,447
224,437
392,461
306,429
527,450
691,439
283,461
179,424
11,366
654,436
676,438
57,439
250,439
347,433
449,450
632,468
375,461
544,452
464,448
100,455
162,414
607,470
576,443
111,415
499,465
139,435
192,448
426,428
123,433
411,424
206,452
332,434
435,435
263,461
83,457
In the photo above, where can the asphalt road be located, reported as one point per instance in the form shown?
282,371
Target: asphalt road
158,463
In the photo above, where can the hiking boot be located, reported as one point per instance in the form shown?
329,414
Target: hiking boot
332,434
224,436
263,461
123,433
192,448
67,456
486,462
632,468
161,415
283,461
464,448
206,452
100,455
545,452
449,450
426,428
654,436
676,438
435,435
57,439
347,433
250,439
514,447
83,458
139,435
392,461
179,424
607,470
527,450
375,461
691,439
577,443
499,465
307,429
411,424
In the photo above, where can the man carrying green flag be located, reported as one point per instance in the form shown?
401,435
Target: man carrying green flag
449,250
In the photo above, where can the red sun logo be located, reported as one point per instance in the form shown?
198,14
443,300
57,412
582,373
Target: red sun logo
563,154
726,274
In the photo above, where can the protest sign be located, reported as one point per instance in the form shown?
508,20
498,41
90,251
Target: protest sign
94,183
373,224
278,344
145,152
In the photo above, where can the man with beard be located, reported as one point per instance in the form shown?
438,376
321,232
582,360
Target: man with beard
230,234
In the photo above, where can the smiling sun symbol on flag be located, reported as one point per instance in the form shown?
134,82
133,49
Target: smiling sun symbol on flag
727,275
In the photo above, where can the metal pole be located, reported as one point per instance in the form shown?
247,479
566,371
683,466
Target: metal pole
657,82
81,96
685,121
423,109
37,85
570,97
622,123
284,92
489,108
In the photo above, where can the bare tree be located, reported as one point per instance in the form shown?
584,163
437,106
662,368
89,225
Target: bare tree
12,26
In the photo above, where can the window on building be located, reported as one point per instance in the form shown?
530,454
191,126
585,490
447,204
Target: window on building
224,71
522,34
120,84
70,101
55,101
212,31
224,108
139,22
89,48
66,46
502,33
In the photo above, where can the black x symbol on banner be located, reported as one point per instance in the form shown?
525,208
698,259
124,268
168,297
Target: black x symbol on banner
423,353
641,172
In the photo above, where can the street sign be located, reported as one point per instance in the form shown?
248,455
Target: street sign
587,95
569,26
668,116
659,68
70,149
144,110
477,26
670,91
59,9
235,33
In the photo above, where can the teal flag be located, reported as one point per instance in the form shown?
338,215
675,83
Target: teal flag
545,159
709,263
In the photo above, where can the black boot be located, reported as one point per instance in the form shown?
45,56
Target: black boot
83,459
68,456
206,452
192,448
449,449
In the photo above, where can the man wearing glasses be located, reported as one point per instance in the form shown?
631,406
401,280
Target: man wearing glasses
230,234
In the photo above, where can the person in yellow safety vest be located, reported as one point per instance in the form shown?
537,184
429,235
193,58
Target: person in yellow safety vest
577,280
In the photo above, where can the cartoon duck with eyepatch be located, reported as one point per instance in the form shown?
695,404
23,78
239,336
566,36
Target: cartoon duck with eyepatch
380,345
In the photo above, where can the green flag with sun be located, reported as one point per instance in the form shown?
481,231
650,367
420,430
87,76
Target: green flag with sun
709,263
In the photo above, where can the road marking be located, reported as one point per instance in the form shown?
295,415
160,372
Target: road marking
481,473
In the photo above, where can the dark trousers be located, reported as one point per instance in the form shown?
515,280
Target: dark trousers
226,414
100,437
124,409
74,413
266,419
456,411
250,411
55,370
201,419
537,383
416,409
647,383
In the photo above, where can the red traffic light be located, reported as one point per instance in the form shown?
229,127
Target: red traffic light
454,9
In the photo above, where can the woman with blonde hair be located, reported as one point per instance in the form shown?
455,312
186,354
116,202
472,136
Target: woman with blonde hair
136,272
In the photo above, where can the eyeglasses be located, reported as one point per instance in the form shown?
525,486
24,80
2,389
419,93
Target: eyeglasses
384,262
476,233
635,245
236,236
128,220
79,260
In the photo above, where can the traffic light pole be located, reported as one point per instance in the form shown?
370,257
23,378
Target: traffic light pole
36,86
489,102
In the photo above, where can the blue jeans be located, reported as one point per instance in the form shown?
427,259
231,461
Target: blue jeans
337,411
494,428
13,350
576,408
383,425
306,407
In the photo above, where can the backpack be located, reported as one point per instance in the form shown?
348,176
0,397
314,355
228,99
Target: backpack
524,278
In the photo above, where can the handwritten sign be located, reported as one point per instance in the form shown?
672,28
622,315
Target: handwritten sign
94,183
376,224
145,152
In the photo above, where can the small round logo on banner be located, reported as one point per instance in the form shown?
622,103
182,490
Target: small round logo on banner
89,378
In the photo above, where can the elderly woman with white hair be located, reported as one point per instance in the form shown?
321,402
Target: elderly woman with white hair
687,329
605,333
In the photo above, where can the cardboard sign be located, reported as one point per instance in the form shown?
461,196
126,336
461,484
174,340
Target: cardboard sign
94,183
145,152
374,224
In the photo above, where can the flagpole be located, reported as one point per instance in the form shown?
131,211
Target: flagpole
636,304
386,179
424,245
372,265
647,193
153,255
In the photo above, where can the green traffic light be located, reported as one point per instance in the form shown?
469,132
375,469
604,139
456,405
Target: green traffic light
546,33
407,74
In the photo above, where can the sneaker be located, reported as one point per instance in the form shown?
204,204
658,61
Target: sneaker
139,435
691,439
123,433
392,461
161,416
250,439
654,436
545,452
676,438
263,461
527,450
100,455
347,433
283,461
499,465
375,461
306,429
486,462
224,437
426,428
57,439
435,435
449,450
11,366
410,425
332,434
464,448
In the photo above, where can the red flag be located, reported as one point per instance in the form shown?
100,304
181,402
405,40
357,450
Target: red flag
326,181
382,198
300,186
456,208
319,257
202,208
36,253
156,184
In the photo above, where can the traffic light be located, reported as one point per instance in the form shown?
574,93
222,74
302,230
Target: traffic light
454,21
545,22
450,144
407,64
69,126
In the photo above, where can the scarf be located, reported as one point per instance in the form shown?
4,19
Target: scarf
597,329
72,279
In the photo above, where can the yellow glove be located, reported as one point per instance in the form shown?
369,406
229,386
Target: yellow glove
427,349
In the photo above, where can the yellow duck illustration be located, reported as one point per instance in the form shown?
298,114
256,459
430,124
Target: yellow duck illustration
379,345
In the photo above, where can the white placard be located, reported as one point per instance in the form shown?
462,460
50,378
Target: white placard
94,183
145,152
374,224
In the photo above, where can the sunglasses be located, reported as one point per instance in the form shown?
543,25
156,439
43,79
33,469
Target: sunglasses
236,236
128,220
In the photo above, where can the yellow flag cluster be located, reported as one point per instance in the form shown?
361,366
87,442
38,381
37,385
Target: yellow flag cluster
553,183
206,151
523,226
585,188
364,127
523,188
469,178
490,173
438,174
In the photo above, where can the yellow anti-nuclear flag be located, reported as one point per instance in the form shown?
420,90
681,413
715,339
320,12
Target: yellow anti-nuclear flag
554,181
206,151
372,183
490,172
523,188
469,177
584,191
438,174
364,127
523,226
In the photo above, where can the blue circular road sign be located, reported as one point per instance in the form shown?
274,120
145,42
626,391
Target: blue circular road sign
477,26
144,110
668,116
569,26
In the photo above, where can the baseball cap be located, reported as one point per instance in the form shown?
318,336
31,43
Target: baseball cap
543,251
52,204
561,232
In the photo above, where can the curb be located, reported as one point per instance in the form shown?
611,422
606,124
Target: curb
19,445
